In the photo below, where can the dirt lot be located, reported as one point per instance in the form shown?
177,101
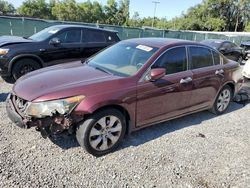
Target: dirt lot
200,150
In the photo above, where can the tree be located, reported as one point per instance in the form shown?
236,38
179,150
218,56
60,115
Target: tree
247,28
6,8
66,10
35,8
91,12
135,21
110,11
122,14
216,15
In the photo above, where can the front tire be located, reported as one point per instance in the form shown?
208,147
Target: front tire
222,100
102,132
24,66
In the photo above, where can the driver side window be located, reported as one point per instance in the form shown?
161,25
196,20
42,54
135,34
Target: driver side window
70,36
173,60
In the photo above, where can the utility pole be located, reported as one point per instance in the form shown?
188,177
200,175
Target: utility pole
155,2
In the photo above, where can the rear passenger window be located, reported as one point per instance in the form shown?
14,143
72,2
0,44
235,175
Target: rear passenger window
216,58
200,57
174,60
94,36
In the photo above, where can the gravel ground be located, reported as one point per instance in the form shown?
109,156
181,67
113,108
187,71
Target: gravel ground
199,150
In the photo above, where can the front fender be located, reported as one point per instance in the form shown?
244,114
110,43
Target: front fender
14,59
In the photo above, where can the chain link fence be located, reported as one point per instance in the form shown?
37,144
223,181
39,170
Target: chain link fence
21,26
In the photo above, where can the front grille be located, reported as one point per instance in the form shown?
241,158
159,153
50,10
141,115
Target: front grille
20,104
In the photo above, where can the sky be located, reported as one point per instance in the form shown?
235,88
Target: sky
165,9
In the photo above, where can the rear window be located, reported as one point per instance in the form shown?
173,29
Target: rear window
200,57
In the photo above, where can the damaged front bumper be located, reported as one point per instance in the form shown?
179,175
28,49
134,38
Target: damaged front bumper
13,115
48,126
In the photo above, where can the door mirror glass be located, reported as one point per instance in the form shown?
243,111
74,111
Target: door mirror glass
55,41
222,50
156,74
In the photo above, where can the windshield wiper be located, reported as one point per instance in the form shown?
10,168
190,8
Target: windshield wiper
85,61
27,38
103,70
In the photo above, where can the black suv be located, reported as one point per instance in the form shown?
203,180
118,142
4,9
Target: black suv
53,45
246,47
227,48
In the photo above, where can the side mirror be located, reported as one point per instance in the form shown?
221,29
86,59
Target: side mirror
54,41
156,74
222,50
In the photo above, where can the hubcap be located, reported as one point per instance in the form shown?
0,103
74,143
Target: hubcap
223,100
105,133
25,69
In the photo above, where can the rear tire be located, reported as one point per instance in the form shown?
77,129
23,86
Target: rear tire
222,100
24,66
101,132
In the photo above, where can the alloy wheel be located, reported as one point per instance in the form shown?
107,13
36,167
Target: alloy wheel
26,69
223,100
105,133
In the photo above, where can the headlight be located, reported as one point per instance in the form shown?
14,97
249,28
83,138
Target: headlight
4,51
62,106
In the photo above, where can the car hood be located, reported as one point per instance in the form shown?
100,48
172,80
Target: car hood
7,40
245,43
59,81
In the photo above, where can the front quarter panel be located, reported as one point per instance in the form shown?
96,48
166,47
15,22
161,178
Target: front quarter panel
124,96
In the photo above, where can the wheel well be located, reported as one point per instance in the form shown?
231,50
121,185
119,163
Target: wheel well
119,108
26,57
231,85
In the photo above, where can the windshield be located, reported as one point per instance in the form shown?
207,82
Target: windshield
44,34
123,59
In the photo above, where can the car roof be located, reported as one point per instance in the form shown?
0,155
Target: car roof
216,40
63,26
162,42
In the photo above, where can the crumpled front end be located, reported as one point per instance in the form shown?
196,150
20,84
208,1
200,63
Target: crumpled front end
53,124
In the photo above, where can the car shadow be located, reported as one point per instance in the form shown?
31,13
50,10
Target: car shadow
3,97
65,141
153,132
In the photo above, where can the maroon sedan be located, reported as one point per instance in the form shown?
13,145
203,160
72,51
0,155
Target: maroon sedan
130,85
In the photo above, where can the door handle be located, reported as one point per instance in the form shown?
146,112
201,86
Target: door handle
186,80
219,72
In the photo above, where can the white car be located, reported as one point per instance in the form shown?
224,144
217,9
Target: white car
246,69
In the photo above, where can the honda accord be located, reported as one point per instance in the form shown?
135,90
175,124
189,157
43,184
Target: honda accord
130,85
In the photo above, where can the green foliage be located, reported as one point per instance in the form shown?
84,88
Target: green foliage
215,15
6,8
66,10
35,8
247,28
210,15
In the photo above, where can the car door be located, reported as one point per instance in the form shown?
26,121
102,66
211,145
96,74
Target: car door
169,96
95,40
69,48
208,75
